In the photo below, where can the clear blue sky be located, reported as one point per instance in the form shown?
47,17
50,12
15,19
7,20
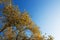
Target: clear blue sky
45,13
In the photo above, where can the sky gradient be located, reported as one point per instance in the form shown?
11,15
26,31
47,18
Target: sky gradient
45,13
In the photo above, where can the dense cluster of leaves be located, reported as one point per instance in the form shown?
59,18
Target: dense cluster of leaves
16,23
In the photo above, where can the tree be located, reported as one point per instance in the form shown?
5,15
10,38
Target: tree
16,23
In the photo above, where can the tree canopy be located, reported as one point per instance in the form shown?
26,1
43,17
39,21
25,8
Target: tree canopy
16,23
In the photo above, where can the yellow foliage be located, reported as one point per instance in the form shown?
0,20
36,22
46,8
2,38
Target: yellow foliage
18,19
8,33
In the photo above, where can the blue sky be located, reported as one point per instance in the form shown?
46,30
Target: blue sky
45,13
